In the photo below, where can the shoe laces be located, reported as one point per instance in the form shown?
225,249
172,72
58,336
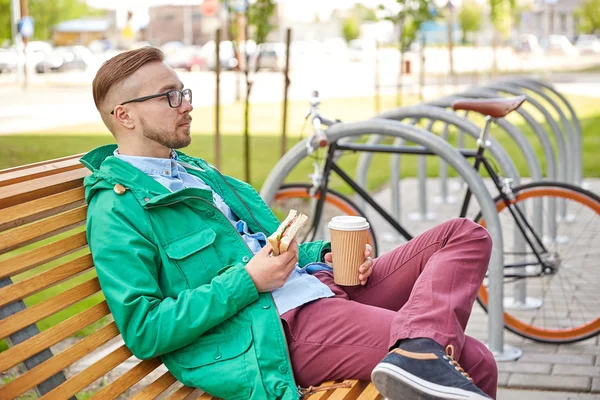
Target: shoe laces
450,357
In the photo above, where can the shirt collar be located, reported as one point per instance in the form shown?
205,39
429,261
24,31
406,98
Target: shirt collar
165,167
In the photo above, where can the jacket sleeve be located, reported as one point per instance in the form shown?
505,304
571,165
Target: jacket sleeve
312,252
127,262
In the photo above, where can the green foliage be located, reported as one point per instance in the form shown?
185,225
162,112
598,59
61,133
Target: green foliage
46,14
350,29
588,17
502,15
5,28
259,16
363,14
470,17
409,17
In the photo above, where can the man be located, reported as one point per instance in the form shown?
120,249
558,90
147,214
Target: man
181,255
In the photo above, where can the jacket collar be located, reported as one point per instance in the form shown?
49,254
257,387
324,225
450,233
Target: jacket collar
108,171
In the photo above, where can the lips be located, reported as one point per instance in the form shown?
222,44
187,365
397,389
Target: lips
186,122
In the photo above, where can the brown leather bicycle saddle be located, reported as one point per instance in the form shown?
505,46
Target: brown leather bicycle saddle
495,108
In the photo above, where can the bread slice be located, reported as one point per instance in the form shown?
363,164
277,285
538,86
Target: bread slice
291,231
275,238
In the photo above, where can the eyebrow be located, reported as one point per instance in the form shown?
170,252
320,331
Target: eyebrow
170,86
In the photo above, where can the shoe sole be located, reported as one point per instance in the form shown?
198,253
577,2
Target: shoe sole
396,384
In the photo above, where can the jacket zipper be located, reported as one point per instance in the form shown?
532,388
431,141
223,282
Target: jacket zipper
287,350
240,198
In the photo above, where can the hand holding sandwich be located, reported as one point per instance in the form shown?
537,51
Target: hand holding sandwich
268,272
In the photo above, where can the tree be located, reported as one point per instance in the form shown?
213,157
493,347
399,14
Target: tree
350,29
501,15
408,16
588,17
46,14
5,21
469,18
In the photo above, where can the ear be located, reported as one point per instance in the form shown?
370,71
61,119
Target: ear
123,117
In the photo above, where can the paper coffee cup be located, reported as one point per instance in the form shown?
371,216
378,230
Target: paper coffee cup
348,242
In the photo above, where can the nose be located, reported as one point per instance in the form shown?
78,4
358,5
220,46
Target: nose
186,106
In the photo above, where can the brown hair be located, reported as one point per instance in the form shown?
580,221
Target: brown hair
120,67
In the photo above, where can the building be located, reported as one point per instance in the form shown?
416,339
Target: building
551,17
186,22
80,31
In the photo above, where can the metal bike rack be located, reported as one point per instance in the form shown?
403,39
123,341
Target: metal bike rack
530,157
459,163
573,141
538,130
575,124
519,299
433,114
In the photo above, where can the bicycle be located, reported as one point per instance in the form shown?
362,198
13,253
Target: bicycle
548,229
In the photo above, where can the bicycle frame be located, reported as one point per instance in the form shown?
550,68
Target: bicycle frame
504,189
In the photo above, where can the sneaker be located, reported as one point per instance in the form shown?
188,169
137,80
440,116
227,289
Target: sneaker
435,375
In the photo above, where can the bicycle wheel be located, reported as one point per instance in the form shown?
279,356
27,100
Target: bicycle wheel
562,302
297,196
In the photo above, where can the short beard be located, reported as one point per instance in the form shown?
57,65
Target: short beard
166,138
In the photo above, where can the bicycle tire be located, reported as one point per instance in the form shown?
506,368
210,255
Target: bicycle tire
515,320
333,198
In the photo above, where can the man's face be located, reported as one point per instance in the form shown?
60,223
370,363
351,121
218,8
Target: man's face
154,118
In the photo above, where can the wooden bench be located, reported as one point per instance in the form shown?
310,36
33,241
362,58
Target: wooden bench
44,253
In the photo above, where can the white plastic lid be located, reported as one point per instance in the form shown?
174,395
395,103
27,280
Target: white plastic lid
348,223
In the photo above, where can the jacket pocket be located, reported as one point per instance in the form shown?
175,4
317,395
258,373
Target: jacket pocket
196,256
219,364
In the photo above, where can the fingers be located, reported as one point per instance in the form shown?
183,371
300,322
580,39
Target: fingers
368,250
365,271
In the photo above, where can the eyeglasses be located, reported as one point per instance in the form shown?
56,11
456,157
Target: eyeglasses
174,96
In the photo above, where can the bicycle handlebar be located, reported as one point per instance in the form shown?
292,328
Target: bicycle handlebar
319,137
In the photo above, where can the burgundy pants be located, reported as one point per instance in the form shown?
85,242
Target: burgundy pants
423,288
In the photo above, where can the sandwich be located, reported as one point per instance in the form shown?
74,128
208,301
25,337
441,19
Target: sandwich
281,239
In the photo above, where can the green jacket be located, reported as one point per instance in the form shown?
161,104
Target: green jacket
172,269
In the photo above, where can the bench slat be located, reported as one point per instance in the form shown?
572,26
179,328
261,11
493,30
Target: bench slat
128,379
57,363
157,387
36,257
322,395
39,171
39,311
206,396
27,287
25,213
182,393
86,377
23,235
43,187
27,167
370,393
43,340
350,393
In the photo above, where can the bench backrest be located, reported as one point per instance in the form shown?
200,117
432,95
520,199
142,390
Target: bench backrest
48,282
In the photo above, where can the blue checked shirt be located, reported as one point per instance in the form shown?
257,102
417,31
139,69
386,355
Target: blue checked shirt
300,288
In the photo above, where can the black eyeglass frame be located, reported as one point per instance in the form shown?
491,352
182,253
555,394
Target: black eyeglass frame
154,96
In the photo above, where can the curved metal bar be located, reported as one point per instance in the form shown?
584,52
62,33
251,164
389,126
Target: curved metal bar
531,160
538,130
575,126
571,141
453,158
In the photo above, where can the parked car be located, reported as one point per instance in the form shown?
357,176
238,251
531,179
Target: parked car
272,56
8,60
527,43
227,58
588,44
186,57
558,44
64,58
